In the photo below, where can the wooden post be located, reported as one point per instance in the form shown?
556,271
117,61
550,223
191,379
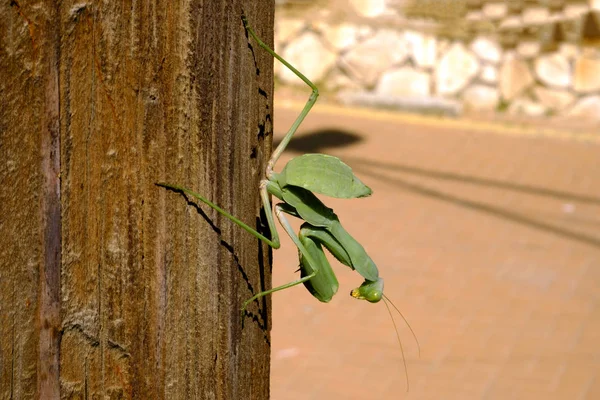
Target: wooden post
112,287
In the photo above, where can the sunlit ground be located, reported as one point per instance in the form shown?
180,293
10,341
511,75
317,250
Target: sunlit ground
489,244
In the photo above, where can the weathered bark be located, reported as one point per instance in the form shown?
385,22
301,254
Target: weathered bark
112,287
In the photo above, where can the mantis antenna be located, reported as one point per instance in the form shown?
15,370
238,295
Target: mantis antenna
387,300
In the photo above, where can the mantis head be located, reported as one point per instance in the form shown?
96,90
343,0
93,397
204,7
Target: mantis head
372,291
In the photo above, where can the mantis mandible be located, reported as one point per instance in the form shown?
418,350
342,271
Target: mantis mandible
294,186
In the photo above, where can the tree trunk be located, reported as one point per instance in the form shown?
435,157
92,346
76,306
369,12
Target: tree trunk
110,286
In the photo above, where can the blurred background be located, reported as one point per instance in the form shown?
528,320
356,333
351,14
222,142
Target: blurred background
477,125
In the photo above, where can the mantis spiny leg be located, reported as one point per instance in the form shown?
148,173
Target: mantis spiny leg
311,100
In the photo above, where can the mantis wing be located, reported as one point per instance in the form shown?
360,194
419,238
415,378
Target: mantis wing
313,211
323,174
361,261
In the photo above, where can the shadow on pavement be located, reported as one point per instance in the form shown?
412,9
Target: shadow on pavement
315,142
442,175
329,139
487,208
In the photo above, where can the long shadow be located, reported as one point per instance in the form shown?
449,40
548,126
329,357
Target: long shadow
449,176
324,140
489,209
329,139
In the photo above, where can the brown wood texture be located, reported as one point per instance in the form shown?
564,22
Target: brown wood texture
112,287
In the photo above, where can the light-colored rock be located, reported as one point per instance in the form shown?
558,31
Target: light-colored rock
309,55
405,81
474,16
514,77
511,23
553,70
586,107
587,74
337,80
319,13
569,50
528,49
487,49
425,105
369,8
286,29
553,99
443,46
456,68
318,25
364,31
378,53
480,97
526,107
495,10
590,50
422,48
575,10
489,74
535,15
341,36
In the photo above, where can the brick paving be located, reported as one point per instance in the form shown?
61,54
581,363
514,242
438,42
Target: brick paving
489,244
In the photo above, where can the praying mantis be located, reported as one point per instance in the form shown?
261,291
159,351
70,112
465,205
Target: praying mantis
295,186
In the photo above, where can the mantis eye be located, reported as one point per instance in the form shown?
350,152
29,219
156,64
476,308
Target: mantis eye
372,291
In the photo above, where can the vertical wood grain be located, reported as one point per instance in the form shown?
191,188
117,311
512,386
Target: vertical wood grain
111,286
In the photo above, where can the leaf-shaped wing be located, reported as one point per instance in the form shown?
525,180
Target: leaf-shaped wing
323,174
361,261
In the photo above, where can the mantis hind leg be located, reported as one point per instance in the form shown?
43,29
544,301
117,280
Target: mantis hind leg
311,100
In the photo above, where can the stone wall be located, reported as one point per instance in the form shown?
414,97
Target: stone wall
526,57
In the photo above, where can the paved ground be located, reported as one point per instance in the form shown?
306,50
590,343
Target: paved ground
488,238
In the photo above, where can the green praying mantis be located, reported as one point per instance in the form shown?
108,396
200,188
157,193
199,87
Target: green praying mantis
295,186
